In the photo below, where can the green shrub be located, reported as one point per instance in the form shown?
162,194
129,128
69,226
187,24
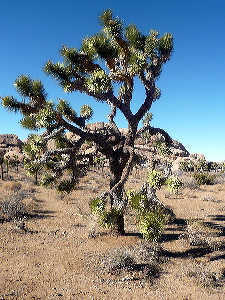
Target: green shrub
155,179
204,178
65,186
47,180
137,200
97,206
109,218
105,218
173,183
151,225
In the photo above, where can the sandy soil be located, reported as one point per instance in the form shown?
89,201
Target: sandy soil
55,258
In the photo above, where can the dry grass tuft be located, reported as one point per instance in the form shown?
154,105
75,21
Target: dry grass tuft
141,261
17,201
205,278
202,235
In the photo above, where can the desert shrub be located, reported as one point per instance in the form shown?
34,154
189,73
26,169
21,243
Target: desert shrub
97,205
155,179
47,180
189,182
138,262
220,178
106,218
150,219
65,187
151,225
173,183
12,206
205,278
137,200
204,178
120,258
202,235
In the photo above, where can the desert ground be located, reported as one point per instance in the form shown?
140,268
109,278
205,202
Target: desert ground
59,252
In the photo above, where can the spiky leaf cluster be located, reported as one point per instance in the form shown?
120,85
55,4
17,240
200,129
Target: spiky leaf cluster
11,104
137,61
47,116
152,225
151,42
135,37
165,45
155,179
98,82
173,183
86,112
111,26
147,119
34,145
99,46
29,88
66,110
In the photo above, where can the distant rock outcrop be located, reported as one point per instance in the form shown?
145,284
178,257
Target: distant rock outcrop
10,142
13,154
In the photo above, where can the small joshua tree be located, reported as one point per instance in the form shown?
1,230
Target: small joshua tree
127,54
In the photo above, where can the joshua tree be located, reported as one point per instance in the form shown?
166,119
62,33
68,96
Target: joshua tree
104,68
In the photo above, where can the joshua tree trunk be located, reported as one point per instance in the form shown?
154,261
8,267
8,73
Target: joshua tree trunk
2,172
117,164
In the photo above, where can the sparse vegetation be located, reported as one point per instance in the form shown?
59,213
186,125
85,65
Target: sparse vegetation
204,178
142,261
173,183
200,234
56,255
206,279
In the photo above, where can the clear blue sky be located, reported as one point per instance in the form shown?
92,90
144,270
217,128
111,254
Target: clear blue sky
192,106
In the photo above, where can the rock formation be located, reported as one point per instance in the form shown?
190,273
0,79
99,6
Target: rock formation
10,142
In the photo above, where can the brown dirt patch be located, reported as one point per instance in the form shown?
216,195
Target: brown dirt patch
55,257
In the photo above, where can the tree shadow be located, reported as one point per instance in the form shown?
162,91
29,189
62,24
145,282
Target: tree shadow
133,234
217,257
217,217
41,214
189,253
180,222
216,226
168,237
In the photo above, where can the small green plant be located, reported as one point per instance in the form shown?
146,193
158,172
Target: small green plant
151,225
204,178
173,183
108,218
155,179
151,213
65,187
105,218
47,180
137,200
97,206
